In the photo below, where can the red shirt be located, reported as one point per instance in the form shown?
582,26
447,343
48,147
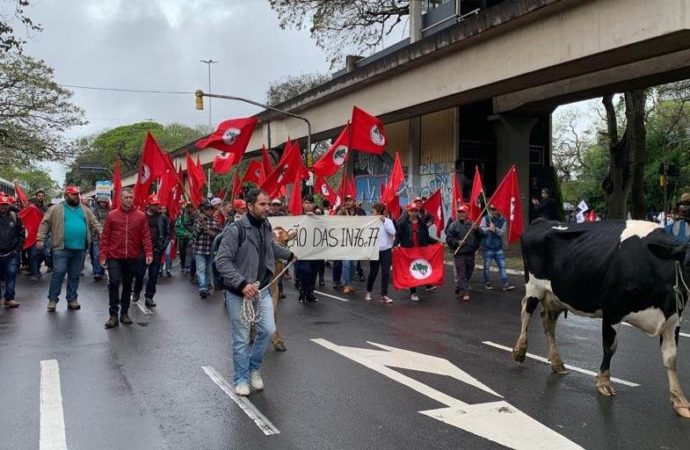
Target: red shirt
415,234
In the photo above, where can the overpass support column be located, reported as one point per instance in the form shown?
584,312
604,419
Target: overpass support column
512,147
414,156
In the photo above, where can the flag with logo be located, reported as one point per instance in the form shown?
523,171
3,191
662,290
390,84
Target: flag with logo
475,196
288,168
417,266
335,157
254,173
506,199
322,187
231,136
22,199
434,205
366,132
223,162
31,218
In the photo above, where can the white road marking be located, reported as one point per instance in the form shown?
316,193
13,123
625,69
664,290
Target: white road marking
568,366
332,296
143,308
680,334
497,421
52,432
259,419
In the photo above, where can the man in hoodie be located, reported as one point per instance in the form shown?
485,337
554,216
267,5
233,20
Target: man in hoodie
12,235
463,238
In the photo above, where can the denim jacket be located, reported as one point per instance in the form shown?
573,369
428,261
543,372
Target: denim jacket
493,240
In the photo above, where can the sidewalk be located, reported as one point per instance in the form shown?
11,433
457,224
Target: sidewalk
514,263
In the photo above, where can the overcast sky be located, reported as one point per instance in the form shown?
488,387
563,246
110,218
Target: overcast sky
157,45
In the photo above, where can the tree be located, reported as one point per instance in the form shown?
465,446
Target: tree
339,25
31,179
287,88
13,12
35,111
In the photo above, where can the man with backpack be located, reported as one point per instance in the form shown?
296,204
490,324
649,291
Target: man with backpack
11,242
246,261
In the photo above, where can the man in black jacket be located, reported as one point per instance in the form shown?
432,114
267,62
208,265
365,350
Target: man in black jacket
11,242
547,207
412,232
159,227
463,238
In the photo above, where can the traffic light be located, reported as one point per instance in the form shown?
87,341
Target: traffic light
199,99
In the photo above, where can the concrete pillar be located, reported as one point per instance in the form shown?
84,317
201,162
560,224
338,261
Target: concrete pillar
512,147
414,155
415,20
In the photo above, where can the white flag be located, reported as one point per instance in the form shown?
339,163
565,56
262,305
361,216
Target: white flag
580,217
583,206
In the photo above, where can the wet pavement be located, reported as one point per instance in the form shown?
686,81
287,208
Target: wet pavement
356,375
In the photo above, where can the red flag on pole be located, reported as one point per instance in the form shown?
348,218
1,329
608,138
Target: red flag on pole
288,168
322,187
295,203
232,136
254,173
31,218
475,195
367,133
196,181
335,157
117,185
266,161
397,177
507,200
22,199
417,266
456,198
434,205
223,162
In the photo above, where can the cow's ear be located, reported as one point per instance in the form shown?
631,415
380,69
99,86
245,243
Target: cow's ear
667,250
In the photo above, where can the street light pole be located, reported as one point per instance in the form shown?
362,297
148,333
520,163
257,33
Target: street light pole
208,62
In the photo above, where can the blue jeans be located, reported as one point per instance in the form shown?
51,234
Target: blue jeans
98,270
168,259
8,272
244,358
499,257
348,272
66,262
36,257
203,269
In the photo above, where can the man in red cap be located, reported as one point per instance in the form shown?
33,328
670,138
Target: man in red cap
463,238
12,236
125,236
70,226
413,232
159,229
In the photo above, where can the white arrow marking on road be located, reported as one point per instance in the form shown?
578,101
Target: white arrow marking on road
499,421
143,308
248,407
567,366
52,431
681,334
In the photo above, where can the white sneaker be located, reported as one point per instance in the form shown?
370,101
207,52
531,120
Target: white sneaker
386,299
242,389
368,297
414,297
256,381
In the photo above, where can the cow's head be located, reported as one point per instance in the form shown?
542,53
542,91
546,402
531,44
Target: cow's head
282,237
666,247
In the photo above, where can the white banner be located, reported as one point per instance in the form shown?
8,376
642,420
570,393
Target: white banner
332,237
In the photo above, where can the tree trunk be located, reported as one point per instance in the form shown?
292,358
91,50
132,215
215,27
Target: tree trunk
616,184
637,136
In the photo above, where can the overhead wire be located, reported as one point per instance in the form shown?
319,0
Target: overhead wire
137,91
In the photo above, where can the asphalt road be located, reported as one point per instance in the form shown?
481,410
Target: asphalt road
144,386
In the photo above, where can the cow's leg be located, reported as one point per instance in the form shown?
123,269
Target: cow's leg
669,345
276,340
529,304
549,317
609,341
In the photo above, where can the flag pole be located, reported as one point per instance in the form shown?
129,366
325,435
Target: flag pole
462,242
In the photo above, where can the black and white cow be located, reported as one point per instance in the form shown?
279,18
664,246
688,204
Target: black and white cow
616,271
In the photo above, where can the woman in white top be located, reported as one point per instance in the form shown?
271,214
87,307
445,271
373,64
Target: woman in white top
386,238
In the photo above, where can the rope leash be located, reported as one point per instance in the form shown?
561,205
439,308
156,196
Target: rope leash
677,289
249,315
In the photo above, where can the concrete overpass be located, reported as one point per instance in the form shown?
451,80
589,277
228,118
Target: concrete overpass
522,58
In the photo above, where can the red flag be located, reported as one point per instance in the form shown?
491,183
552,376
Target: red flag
196,181
295,203
236,186
507,200
254,173
367,133
232,136
117,185
220,194
31,218
393,206
397,177
456,198
347,188
322,187
22,199
266,161
417,266
475,195
434,205
289,166
152,165
591,216
335,157
223,162
165,188
175,202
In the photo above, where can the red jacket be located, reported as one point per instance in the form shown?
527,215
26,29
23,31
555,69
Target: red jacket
125,235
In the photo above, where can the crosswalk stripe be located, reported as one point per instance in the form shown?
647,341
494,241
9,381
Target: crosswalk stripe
248,407
332,296
52,432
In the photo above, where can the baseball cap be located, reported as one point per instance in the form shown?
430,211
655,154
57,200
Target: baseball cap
72,190
239,203
464,208
6,199
153,200
349,196
412,207
215,201
102,198
418,199
276,201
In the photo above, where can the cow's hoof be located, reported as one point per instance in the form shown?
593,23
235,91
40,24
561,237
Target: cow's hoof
559,369
683,411
519,355
604,385
279,346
